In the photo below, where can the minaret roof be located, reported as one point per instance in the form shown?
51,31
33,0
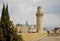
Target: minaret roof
39,7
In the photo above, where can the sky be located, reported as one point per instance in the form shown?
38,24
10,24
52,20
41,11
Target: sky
22,10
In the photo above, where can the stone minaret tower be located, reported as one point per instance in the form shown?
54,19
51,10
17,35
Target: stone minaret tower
39,16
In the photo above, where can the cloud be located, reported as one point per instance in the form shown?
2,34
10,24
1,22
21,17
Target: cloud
1,1
51,20
22,10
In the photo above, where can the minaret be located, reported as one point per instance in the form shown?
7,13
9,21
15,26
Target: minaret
39,16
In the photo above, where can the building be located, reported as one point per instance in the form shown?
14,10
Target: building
34,28
31,32
39,16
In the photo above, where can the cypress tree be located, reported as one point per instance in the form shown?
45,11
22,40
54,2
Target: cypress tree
3,28
7,31
1,33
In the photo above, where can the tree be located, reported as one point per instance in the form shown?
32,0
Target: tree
19,38
1,33
7,31
56,30
19,24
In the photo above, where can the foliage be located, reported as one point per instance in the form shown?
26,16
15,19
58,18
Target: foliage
18,24
19,38
7,31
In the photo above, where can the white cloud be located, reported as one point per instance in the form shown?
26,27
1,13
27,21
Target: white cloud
51,20
20,10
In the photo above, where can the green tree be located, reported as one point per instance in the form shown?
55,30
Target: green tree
1,33
19,38
7,31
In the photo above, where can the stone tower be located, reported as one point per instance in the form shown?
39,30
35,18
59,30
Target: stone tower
39,16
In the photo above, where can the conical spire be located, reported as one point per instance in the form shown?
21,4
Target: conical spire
3,10
7,11
7,7
3,6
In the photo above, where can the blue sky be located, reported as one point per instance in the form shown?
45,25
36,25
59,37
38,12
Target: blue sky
22,10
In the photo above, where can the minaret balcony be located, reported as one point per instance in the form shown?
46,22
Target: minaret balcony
38,14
